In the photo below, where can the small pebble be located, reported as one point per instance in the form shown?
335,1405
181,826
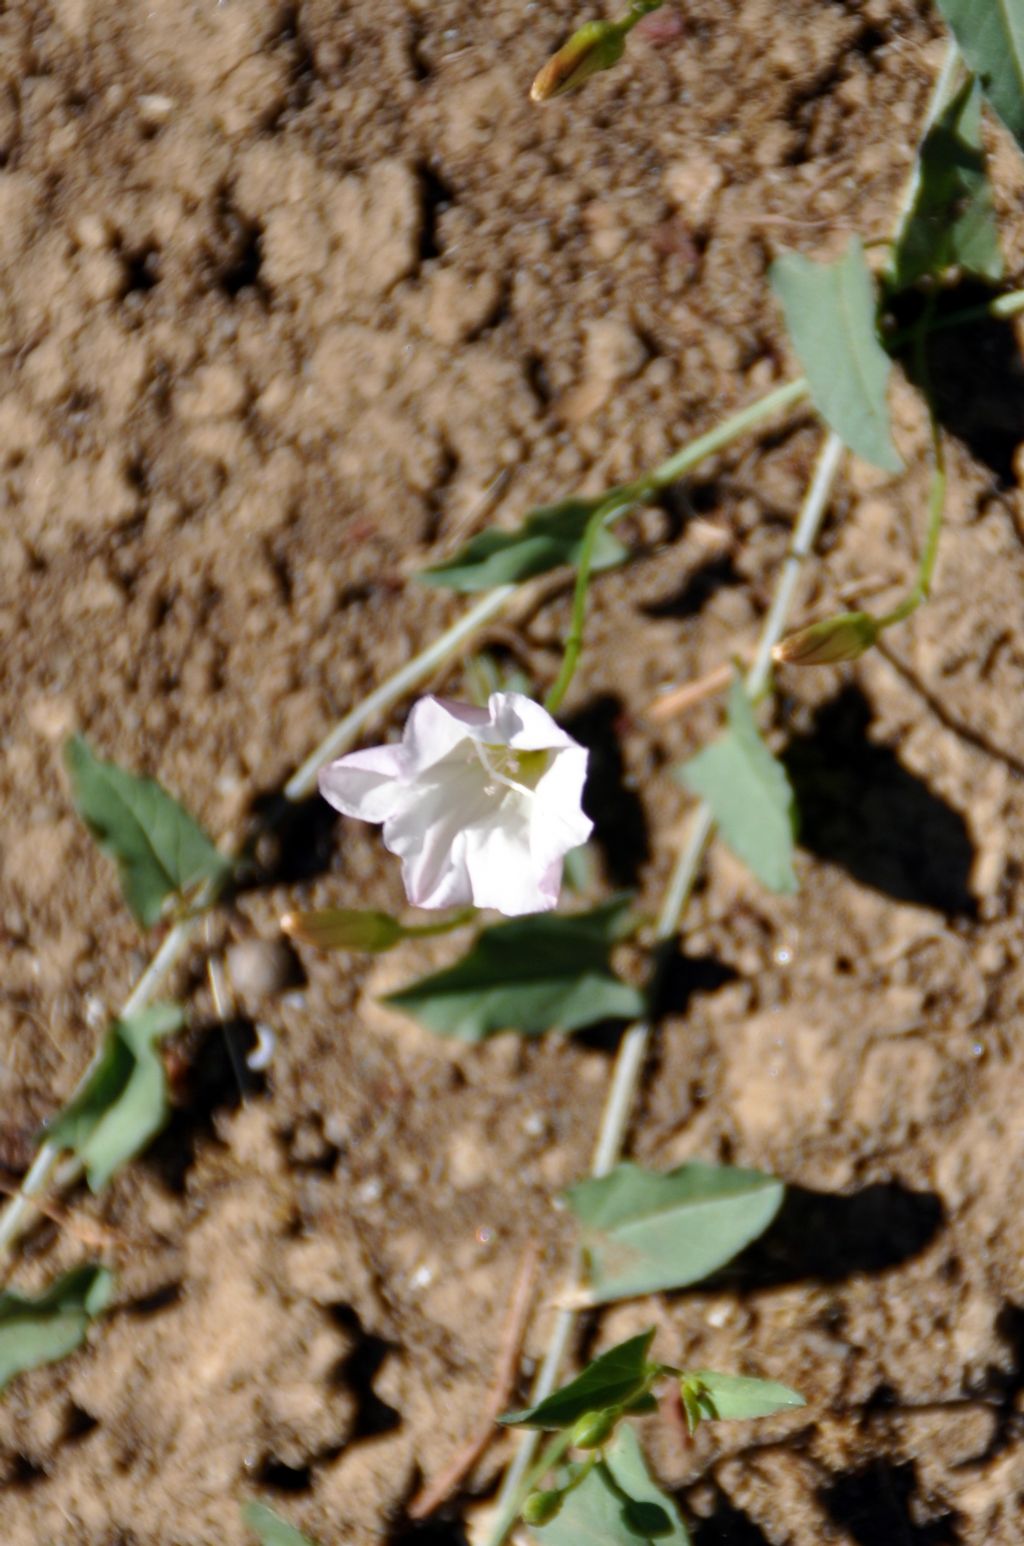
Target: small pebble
261,968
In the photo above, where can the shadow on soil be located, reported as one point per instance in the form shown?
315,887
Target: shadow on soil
356,1373
976,374
860,808
879,1504
209,1074
697,590
429,1532
727,1526
822,1236
290,843
620,826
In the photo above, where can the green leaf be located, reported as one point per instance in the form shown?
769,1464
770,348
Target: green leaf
732,1397
830,311
749,795
124,1101
644,1231
36,1330
159,849
548,537
613,1380
952,222
617,1504
535,974
270,1528
990,34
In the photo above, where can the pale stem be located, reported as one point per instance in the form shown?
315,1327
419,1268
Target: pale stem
302,784
807,528
36,1179
633,1049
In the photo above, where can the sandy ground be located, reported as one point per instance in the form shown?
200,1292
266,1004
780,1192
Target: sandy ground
283,290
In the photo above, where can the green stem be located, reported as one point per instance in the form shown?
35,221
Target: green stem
637,11
574,640
549,1458
922,586
717,439
643,489
921,589
1002,309
444,926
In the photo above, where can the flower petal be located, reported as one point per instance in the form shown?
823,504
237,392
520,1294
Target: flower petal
501,865
515,720
428,834
434,729
365,784
557,821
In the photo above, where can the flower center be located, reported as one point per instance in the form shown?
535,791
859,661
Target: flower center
522,770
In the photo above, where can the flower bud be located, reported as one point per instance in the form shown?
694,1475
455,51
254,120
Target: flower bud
344,928
690,1394
597,45
592,1429
541,1507
843,637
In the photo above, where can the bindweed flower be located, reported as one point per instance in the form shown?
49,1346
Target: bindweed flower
480,805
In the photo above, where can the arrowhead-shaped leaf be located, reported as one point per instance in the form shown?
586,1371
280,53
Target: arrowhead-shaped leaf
547,538
158,847
990,34
541,973
644,1231
124,1102
831,316
733,1397
617,1504
39,1329
613,1380
952,223
270,1529
749,795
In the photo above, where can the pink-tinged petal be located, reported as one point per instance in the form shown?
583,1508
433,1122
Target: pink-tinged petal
435,728
515,720
454,814
558,823
502,868
365,784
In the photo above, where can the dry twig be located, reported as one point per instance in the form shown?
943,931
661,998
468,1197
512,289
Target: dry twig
90,1232
431,1496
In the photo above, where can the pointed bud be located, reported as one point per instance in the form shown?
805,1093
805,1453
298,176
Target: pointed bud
344,928
689,1391
592,1429
541,1507
597,45
844,637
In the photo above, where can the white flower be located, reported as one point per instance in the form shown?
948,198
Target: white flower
480,805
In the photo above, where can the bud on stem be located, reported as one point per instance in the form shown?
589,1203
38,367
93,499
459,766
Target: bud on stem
592,1429
846,636
597,45
541,1507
